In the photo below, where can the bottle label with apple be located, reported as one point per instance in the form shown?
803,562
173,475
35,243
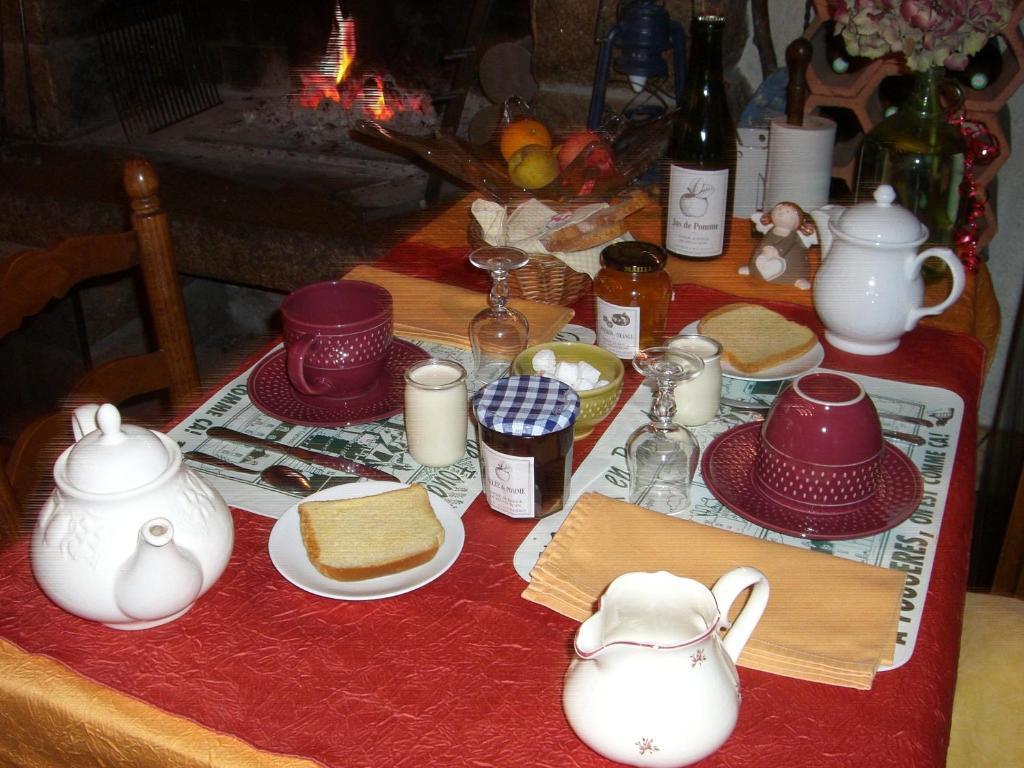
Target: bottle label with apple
695,222
618,329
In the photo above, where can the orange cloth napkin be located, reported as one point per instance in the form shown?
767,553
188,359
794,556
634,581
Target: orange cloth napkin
828,620
436,312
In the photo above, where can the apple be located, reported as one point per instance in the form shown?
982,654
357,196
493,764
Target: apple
592,163
532,167
575,143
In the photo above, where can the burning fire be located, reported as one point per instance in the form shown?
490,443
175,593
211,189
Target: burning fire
334,80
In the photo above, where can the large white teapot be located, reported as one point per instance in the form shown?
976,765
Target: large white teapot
130,537
654,683
868,291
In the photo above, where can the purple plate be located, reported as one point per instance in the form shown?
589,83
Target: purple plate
272,392
727,467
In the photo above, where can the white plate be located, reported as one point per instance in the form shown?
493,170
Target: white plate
288,553
808,361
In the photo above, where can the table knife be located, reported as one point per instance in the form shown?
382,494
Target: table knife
760,409
313,457
909,419
214,461
742,405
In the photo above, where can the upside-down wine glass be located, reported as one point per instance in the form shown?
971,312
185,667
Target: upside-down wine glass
499,333
662,455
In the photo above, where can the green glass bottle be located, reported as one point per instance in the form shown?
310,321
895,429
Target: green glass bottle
702,151
919,153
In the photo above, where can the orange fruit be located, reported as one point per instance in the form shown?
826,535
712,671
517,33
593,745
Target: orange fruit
521,133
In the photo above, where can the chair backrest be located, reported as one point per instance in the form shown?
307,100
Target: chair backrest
1009,576
31,279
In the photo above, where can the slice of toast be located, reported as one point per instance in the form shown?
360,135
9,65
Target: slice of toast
353,539
754,338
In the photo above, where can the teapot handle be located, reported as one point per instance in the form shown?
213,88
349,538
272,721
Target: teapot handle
725,591
959,281
83,420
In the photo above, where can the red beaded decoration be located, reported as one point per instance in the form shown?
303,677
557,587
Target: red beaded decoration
982,148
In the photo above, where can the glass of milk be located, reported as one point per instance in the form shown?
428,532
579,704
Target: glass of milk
697,400
436,412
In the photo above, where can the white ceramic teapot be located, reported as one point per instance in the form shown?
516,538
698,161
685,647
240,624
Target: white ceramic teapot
130,537
868,291
655,683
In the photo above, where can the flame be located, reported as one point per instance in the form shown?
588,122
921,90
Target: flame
374,102
332,79
344,39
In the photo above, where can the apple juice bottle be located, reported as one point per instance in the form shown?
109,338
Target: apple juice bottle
702,150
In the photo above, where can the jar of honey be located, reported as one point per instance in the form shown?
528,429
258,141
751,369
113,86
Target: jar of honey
632,293
525,428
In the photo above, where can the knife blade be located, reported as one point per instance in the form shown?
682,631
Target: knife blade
304,454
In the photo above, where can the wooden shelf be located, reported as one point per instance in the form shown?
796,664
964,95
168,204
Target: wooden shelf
858,92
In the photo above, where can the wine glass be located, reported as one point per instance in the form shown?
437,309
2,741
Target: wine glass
499,333
662,455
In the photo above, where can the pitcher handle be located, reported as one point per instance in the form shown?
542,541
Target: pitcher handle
726,590
959,281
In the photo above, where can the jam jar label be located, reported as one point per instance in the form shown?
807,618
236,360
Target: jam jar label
508,482
618,329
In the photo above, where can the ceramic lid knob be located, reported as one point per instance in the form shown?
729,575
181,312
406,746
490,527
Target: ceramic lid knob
115,457
882,222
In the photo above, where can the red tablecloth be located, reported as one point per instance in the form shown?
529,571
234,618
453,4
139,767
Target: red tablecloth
466,672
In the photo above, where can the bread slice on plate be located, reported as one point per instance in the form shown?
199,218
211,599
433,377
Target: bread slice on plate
353,539
754,338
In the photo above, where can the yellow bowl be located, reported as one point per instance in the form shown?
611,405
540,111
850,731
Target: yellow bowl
595,404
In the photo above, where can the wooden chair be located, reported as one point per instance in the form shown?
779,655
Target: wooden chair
31,279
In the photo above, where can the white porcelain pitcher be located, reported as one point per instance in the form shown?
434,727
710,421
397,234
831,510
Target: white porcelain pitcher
654,682
130,537
868,291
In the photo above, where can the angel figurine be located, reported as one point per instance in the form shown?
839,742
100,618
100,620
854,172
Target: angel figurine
781,255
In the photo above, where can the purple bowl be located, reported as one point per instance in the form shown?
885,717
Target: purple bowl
821,444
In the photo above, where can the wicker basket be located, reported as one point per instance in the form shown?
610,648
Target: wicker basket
545,278
549,280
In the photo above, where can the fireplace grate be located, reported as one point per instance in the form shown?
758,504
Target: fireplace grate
157,67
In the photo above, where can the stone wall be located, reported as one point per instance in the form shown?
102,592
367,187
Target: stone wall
62,74
565,54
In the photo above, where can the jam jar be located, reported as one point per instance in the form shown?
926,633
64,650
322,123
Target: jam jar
525,426
632,293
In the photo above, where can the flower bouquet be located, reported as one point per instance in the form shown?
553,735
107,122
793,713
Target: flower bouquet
927,33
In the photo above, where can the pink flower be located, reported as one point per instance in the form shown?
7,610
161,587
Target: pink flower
928,33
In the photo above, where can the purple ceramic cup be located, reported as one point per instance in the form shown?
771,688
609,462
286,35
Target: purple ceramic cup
337,335
821,445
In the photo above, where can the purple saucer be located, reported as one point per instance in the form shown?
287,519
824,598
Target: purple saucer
727,467
272,392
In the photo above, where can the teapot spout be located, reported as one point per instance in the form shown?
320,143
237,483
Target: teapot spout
161,580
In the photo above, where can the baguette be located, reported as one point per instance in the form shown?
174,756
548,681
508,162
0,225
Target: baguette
354,539
754,338
600,227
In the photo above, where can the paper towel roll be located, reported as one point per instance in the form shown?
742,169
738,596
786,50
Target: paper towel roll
800,162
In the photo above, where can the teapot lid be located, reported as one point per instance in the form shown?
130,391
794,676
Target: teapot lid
113,457
882,222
